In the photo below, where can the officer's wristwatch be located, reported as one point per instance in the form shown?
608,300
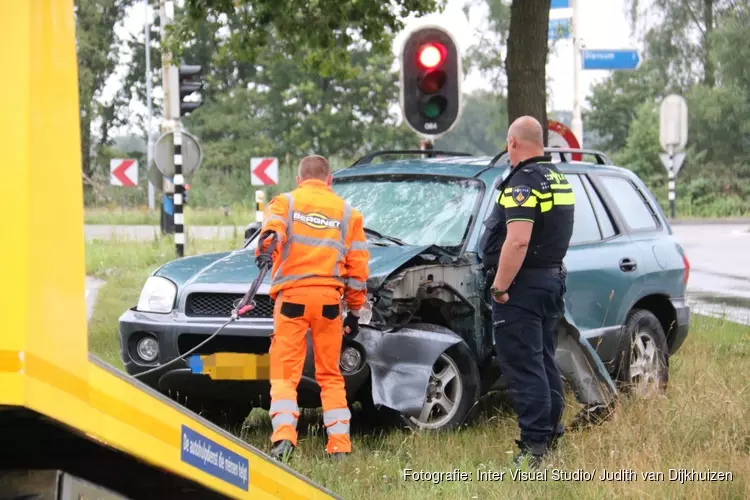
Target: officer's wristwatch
497,293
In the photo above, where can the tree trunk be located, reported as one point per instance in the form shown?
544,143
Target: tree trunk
709,73
86,142
526,61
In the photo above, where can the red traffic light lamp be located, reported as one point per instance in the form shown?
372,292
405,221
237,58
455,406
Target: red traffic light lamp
430,81
431,55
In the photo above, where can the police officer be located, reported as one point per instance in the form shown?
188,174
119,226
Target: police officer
526,238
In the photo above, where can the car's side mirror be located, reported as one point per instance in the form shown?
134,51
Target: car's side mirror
251,230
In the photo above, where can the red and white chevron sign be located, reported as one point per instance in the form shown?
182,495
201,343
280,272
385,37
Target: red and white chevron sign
123,172
264,171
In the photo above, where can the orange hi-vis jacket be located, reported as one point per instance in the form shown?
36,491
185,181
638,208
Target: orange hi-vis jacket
321,242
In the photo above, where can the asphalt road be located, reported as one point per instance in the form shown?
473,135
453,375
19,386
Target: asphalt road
719,256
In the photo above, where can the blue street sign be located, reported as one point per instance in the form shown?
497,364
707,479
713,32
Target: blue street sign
168,205
558,29
611,59
560,4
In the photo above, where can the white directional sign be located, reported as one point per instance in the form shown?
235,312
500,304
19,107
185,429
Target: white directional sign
123,172
264,171
673,126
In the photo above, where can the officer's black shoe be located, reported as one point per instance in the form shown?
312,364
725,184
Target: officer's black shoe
338,456
531,454
282,450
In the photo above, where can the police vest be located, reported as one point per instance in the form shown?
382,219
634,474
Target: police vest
548,200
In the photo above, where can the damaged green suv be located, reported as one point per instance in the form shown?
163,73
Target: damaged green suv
427,350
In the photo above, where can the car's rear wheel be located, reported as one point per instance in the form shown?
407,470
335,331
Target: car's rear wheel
452,391
643,368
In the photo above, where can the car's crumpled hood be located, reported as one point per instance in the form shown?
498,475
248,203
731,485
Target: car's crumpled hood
239,266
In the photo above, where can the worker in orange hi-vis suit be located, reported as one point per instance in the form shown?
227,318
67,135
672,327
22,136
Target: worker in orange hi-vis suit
320,257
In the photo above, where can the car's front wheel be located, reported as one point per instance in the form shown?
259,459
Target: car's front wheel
452,391
644,356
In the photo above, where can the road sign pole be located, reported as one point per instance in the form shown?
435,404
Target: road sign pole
147,48
577,123
179,192
169,81
671,181
673,133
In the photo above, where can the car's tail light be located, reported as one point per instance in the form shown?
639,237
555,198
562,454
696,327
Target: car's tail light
686,272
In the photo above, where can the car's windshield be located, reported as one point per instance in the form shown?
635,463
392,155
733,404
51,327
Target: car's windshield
419,210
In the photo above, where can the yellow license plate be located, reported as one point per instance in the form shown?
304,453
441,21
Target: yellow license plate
236,366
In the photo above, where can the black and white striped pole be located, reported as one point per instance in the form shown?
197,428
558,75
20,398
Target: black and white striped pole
673,135
179,193
670,173
189,83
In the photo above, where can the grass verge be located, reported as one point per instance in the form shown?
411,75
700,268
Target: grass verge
700,424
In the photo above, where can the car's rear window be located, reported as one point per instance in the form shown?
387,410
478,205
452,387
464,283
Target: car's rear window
420,210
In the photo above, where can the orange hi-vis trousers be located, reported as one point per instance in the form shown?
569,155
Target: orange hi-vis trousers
317,308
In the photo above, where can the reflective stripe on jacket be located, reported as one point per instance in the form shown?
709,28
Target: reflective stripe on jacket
321,242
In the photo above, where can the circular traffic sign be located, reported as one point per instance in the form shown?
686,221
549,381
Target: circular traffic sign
560,136
192,154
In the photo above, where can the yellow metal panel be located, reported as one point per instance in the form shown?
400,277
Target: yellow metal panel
15,57
43,251
44,361
56,272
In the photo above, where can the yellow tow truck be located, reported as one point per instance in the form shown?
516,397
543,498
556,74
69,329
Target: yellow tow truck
71,426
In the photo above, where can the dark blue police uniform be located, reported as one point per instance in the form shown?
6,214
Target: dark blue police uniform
525,327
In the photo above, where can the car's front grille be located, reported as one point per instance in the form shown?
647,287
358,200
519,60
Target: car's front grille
219,305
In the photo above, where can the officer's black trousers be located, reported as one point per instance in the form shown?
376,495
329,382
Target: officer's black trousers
525,330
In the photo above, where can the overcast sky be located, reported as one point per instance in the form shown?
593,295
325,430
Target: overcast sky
603,25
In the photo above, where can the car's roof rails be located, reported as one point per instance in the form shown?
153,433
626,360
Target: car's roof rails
431,152
601,158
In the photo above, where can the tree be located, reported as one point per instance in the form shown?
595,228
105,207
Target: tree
482,127
97,52
526,62
711,72
613,104
327,28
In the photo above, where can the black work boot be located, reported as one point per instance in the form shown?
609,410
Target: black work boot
530,453
282,450
339,455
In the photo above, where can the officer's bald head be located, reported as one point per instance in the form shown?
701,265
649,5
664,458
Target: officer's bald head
525,139
314,167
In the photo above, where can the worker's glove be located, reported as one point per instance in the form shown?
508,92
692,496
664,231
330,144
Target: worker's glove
351,323
264,259
265,255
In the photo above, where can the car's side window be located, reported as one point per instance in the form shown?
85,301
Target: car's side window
585,227
602,214
638,215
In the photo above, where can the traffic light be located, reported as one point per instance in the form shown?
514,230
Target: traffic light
430,81
190,82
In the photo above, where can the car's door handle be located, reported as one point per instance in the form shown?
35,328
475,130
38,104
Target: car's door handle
627,264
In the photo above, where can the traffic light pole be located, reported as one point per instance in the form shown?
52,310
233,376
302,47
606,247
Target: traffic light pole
426,145
179,192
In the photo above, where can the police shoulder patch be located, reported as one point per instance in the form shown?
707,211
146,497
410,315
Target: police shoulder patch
520,194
